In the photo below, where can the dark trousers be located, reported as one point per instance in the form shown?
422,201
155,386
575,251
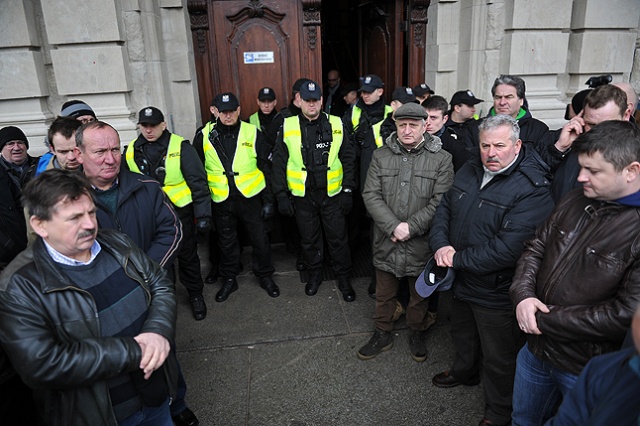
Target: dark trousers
386,295
227,216
315,211
490,337
188,259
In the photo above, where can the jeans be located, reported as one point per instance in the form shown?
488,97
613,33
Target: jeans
538,389
150,416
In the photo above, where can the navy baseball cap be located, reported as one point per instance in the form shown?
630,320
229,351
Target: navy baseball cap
403,94
266,94
370,83
310,90
226,102
434,278
464,97
150,115
422,89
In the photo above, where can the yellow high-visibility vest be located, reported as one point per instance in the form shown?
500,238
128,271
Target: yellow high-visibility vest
255,120
355,121
248,178
296,172
174,184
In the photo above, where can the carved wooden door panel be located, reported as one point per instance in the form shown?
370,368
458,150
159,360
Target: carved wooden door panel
393,41
241,46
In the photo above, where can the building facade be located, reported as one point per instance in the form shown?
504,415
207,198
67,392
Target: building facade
122,55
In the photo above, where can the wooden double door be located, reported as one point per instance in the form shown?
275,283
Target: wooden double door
241,46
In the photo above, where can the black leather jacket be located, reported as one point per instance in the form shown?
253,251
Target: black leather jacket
50,329
584,264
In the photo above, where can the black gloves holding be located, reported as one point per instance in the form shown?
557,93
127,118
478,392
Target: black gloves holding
203,226
285,205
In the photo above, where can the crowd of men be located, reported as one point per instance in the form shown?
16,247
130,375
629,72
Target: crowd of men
535,228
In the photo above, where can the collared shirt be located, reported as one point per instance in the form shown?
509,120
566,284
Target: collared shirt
66,260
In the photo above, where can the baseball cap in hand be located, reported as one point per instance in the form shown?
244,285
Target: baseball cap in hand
434,278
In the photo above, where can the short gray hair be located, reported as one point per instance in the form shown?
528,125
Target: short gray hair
511,80
494,121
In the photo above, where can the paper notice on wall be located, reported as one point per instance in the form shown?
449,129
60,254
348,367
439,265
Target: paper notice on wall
258,57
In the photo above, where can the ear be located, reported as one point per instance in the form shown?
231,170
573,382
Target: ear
275,102
238,110
445,117
633,171
39,226
78,154
164,126
518,146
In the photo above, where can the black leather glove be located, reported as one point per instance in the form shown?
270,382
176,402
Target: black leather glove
203,226
346,202
285,205
268,211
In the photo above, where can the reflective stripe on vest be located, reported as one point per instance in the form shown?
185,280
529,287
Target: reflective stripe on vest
248,178
254,119
174,184
355,121
296,172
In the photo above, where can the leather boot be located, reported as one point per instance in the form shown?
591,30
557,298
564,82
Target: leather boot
228,286
344,285
315,279
271,288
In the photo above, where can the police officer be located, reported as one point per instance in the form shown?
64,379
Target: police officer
171,160
314,165
238,166
266,109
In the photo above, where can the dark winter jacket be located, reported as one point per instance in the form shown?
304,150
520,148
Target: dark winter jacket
146,215
584,264
49,327
13,230
488,227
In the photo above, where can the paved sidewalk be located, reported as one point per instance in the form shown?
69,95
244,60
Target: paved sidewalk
291,361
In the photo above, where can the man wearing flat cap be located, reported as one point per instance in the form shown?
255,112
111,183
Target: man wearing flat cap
313,179
405,182
237,162
171,160
266,109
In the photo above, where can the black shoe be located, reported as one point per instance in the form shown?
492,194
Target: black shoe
212,276
418,345
315,279
348,294
198,307
271,287
228,286
380,341
447,379
185,418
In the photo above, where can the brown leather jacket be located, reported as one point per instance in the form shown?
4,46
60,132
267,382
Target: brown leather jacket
584,264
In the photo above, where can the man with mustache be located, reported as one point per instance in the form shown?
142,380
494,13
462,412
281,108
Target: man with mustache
495,204
14,158
95,351
577,283
135,205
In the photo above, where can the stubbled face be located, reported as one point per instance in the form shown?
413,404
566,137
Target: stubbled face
506,100
72,228
267,106
15,152
435,120
599,178
410,131
65,151
371,98
311,108
229,118
497,150
100,156
608,111
152,132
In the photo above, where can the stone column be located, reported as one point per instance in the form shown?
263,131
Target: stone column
535,47
23,90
